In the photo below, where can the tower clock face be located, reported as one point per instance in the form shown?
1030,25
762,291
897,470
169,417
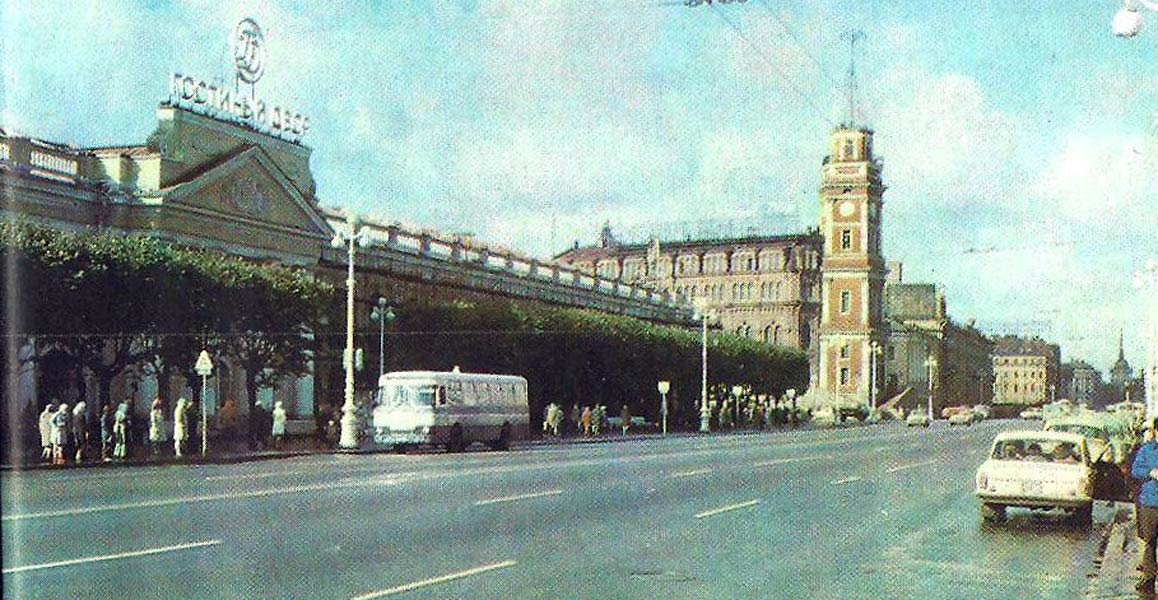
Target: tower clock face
846,208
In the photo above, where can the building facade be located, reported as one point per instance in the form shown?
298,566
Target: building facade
1025,371
1084,381
761,287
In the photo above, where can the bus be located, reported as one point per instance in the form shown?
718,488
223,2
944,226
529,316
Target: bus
449,408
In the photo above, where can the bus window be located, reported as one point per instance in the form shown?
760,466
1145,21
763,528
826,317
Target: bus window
426,395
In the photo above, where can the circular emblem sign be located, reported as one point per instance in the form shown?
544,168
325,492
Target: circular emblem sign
249,50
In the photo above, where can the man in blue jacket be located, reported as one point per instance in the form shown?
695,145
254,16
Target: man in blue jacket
1145,468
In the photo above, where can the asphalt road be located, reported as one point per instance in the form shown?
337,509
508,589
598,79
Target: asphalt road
871,512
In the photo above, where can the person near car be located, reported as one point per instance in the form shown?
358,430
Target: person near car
1145,468
80,429
157,434
180,426
585,421
277,424
60,435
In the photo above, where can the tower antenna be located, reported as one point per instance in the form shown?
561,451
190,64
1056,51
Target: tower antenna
852,36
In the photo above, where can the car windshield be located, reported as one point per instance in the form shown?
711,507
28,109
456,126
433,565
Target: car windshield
1037,450
396,394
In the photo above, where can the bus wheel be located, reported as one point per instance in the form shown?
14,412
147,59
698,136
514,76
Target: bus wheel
456,443
504,441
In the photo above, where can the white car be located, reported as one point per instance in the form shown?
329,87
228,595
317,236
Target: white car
1031,413
1038,470
917,418
963,417
980,412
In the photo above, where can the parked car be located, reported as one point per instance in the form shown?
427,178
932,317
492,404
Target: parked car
980,412
1031,413
961,417
949,411
917,418
1037,470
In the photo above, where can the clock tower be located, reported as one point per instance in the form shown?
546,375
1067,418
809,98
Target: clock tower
853,270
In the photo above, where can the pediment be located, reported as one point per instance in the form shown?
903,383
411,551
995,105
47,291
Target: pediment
249,187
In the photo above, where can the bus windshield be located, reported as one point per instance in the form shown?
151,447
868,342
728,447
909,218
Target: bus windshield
407,394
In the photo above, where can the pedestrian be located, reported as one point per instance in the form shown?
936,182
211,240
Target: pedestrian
256,426
227,422
277,428
577,418
121,431
80,429
60,425
157,434
180,426
598,419
556,419
1145,468
108,420
585,421
625,416
45,424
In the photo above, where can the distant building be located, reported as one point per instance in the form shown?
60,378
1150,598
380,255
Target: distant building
1025,371
761,287
1121,373
919,329
1082,383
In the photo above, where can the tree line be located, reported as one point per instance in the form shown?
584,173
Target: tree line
111,303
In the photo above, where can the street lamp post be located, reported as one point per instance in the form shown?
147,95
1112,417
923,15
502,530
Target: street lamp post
1146,280
736,391
348,238
705,412
204,368
931,363
663,387
382,314
1128,21
875,351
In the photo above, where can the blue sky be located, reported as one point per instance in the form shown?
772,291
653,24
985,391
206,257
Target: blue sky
1014,134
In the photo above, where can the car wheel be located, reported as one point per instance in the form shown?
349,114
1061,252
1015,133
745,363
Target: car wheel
504,441
456,443
1083,516
992,513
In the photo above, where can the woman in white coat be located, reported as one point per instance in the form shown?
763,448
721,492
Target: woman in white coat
180,425
45,424
278,429
157,434
121,431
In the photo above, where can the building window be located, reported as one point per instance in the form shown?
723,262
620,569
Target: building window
846,239
845,302
844,376
844,351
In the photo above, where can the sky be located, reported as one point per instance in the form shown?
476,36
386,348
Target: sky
1018,138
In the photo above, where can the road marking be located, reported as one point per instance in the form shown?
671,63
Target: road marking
846,480
689,473
90,559
519,497
255,475
723,509
784,461
434,580
912,466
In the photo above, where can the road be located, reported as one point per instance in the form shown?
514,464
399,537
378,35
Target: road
870,512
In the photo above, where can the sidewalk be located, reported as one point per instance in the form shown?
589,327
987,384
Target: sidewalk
218,458
1117,572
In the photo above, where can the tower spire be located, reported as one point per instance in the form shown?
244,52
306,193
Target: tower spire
1121,346
852,36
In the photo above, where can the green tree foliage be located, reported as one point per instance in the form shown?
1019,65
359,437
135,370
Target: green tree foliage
113,302
574,356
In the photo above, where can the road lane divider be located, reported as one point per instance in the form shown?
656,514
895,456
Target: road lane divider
785,461
92,559
724,509
436,580
248,476
846,480
682,474
518,497
911,466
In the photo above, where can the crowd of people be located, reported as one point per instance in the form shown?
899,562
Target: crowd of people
74,434
593,420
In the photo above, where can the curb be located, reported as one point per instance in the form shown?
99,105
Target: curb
191,460
1114,574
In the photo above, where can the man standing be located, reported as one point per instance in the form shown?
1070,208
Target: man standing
1145,468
